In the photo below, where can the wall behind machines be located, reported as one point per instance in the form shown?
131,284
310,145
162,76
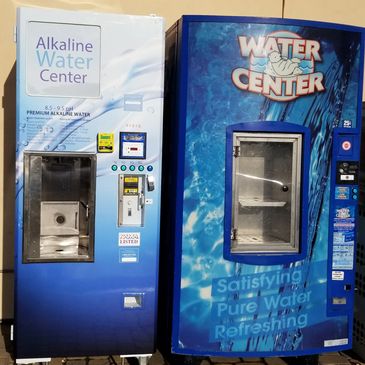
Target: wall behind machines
326,10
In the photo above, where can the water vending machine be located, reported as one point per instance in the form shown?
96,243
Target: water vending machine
88,161
262,154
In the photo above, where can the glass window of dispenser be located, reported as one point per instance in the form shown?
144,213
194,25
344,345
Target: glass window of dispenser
266,192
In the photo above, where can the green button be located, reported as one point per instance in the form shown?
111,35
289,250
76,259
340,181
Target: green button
140,168
123,167
132,167
114,167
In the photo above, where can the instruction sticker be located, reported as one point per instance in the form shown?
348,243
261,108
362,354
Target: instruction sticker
128,255
342,193
338,275
129,239
343,238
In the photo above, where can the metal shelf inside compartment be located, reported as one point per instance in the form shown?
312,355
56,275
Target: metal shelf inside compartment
257,201
254,239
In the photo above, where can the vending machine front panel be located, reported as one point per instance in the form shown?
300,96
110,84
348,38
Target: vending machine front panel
88,165
262,153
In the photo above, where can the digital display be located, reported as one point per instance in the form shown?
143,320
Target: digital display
132,145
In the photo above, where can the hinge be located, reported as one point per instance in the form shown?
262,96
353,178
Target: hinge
234,234
236,151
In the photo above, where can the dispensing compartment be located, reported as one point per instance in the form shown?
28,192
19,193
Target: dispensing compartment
266,173
59,207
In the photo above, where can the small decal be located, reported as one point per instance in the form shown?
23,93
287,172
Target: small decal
339,342
342,193
338,275
129,239
133,102
128,255
347,123
343,212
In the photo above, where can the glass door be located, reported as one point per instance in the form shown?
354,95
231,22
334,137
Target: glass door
266,192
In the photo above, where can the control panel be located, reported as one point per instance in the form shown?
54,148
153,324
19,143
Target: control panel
344,199
131,200
135,179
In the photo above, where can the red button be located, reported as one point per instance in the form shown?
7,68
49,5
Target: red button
346,145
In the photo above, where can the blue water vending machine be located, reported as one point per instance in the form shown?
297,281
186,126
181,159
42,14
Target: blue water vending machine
262,153
88,162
